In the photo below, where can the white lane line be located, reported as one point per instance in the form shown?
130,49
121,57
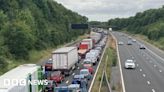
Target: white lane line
73,74
148,82
144,75
153,90
160,71
67,81
155,54
120,66
140,70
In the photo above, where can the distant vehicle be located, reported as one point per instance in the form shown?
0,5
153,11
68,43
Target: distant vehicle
129,37
86,73
133,40
65,59
120,43
129,42
87,63
57,76
48,65
129,64
142,46
50,86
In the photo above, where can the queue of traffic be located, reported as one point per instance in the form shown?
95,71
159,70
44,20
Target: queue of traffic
62,63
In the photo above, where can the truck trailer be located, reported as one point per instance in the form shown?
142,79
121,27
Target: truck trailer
65,59
13,79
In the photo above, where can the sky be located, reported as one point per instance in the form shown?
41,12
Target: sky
103,10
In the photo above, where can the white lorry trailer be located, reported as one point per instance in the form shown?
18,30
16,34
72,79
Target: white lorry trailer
16,80
65,59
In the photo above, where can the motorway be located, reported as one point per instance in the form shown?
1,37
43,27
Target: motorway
148,76
68,79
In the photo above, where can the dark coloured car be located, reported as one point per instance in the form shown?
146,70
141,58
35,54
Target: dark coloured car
50,86
48,65
142,47
129,43
81,80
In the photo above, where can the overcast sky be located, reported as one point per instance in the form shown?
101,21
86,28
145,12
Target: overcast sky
103,10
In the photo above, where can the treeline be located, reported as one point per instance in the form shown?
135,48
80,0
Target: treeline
149,23
27,25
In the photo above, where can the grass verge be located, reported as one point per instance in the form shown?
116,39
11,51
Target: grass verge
109,59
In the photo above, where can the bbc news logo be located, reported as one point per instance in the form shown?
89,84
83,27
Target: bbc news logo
23,82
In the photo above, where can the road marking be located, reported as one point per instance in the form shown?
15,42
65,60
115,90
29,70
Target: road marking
160,71
120,66
155,65
155,54
153,90
140,69
144,75
137,65
73,74
67,81
148,82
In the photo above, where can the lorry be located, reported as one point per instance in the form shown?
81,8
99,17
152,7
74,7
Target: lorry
12,80
89,42
96,37
84,47
65,59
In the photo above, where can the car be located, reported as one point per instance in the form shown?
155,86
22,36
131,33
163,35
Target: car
90,68
57,76
129,43
86,73
130,64
98,48
142,46
129,37
87,62
77,79
92,56
69,88
133,40
48,65
120,43
50,86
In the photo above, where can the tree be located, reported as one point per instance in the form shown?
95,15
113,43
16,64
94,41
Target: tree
18,39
